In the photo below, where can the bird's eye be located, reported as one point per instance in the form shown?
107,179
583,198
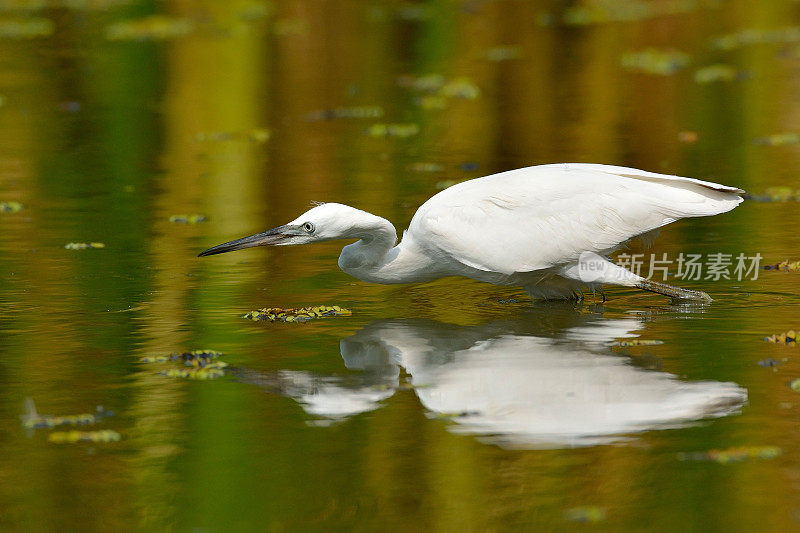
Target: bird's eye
308,227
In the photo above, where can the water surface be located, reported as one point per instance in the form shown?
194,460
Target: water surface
445,406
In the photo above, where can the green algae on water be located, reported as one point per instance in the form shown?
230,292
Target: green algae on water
661,62
210,371
444,184
355,112
462,88
393,130
187,219
503,53
10,207
775,194
778,139
84,245
436,84
751,36
33,420
152,28
301,314
733,455
203,364
789,337
195,358
589,13
636,342
784,266
714,73
431,102
427,83
71,437
256,135
588,513
423,166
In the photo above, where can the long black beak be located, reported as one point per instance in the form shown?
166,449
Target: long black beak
278,235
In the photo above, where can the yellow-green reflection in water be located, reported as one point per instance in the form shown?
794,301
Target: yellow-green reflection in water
243,112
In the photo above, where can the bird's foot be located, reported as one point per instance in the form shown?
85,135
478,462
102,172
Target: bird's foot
677,294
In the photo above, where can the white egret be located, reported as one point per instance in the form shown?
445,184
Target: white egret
533,227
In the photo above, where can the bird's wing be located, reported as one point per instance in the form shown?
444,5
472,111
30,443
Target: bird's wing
540,217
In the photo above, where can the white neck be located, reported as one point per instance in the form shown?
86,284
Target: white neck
376,259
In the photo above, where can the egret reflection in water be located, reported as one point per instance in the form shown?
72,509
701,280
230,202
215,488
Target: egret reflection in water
532,382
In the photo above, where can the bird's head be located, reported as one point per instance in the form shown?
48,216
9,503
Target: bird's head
323,222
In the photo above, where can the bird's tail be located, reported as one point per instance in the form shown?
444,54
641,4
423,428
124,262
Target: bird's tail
696,198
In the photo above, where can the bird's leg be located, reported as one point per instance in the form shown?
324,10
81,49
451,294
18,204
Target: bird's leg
676,293
593,268
598,289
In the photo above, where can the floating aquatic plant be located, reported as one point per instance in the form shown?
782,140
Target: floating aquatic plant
69,437
785,266
393,130
778,139
83,245
10,207
355,112
604,11
750,36
428,83
210,371
776,194
441,185
430,102
662,62
588,513
258,135
718,72
461,87
155,27
636,342
733,455
33,420
204,364
301,314
195,358
789,337
187,219
423,166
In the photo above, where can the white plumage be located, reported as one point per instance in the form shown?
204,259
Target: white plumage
544,216
526,227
